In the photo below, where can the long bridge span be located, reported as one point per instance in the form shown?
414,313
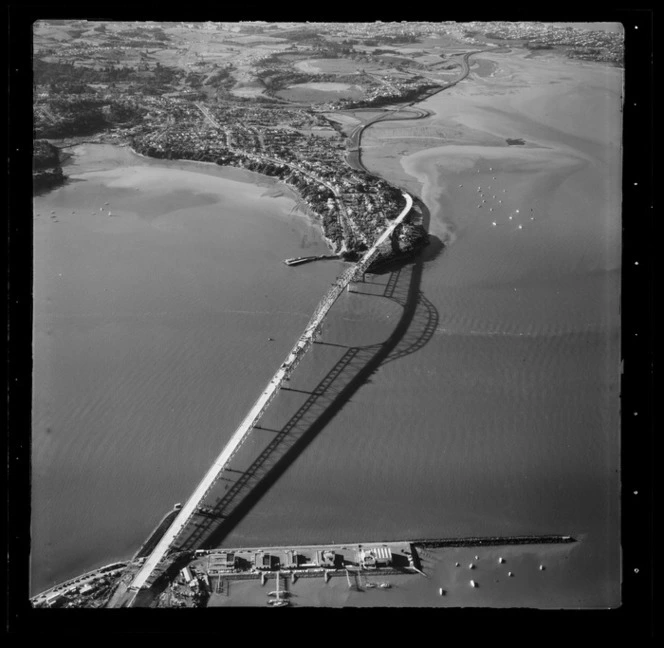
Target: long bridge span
250,421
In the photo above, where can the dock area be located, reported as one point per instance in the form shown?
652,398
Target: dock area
434,571
400,573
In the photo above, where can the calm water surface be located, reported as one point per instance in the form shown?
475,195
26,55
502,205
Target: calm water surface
151,327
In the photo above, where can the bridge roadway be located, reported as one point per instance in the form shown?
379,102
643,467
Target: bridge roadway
242,432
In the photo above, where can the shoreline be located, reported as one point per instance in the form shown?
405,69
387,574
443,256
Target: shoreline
265,181
420,548
234,174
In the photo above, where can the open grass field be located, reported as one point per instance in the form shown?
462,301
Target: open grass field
254,39
484,67
428,59
320,92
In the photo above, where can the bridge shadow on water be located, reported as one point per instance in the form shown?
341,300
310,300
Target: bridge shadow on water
236,492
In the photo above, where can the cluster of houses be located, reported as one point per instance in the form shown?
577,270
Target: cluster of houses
588,44
397,90
344,198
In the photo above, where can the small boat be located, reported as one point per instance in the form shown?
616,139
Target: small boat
473,583
278,603
471,566
510,574
370,585
541,567
385,585
501,560
270,339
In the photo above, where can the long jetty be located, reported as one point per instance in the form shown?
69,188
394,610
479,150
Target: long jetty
242,432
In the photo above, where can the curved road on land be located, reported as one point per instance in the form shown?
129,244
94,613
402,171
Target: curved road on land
355,137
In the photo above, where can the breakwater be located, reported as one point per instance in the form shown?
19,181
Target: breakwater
494,541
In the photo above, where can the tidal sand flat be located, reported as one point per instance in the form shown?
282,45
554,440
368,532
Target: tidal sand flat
156,289
528,293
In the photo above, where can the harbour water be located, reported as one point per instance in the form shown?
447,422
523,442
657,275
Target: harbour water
151,342
155,292
507,421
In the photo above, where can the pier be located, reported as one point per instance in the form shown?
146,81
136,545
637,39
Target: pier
306,259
